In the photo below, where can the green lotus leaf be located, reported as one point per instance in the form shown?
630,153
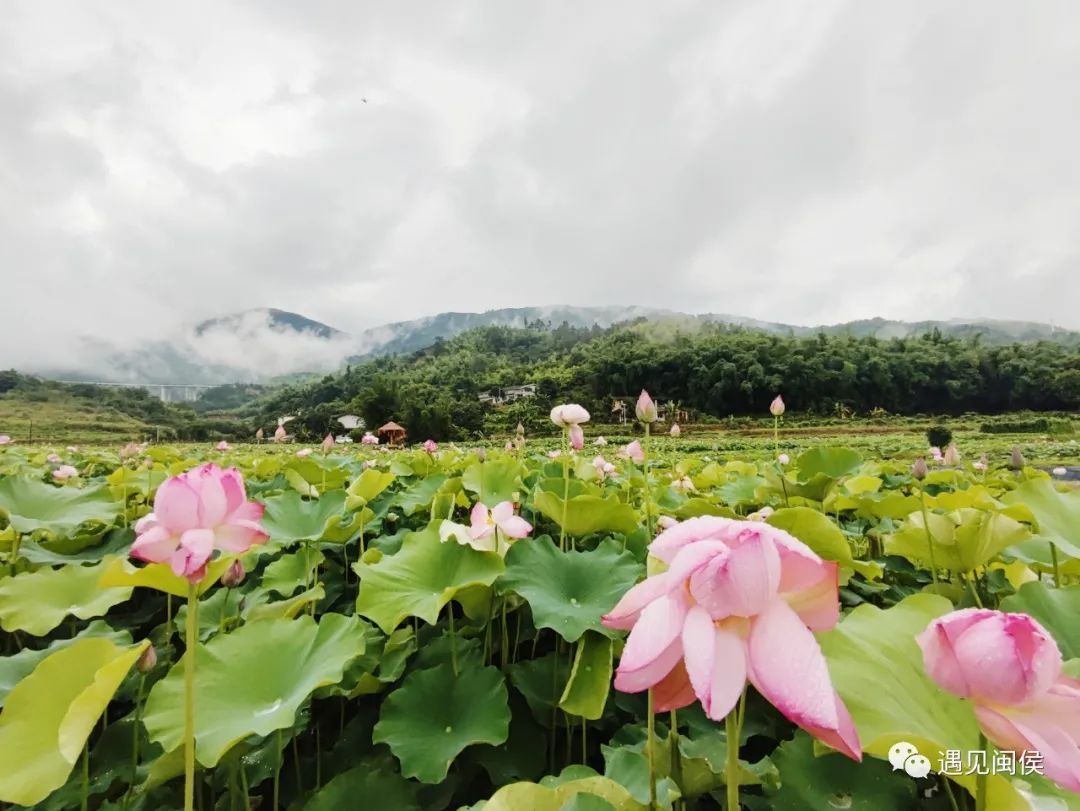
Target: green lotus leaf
421,578
817,531
37,602
434,715
1055,514
54,552
367,487
31,505
290,519
587,514
963,540
833,781
495,480
365,787
568,592
323,473
14,669
1056,609
834,463
877,668
419,495
590,677
122,573
536,797
291,571
49,715
252,681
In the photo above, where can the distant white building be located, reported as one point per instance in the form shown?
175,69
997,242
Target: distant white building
350,421
511,394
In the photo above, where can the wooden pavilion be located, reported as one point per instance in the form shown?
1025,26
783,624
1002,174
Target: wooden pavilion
392,434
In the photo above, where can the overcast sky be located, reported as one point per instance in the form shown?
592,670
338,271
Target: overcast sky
808,162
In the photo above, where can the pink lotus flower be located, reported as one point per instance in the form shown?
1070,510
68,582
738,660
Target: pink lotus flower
1009,668
65,472
951,456
633,452
5,439
259,435
683,484
980,465
279,434
327,443
368,463
223,446
600,441
1060,471
666,522
304,452
430,445
369,439
129,451
53,458
603,466
570,414
577,437
195,513
737,603
72,449
675,429
509,447
554,454
645,409
783,459
935,452
484,522
776,407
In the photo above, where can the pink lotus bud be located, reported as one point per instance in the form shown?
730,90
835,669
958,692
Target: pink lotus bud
645,409
279,434
600,441
327,443
259,435
675,429
233,576
570,414
129,451
919,470
147,660
783,459
577,437
430,445
1017,460
776,407
53,458
223,446
951,456
520,431
762,514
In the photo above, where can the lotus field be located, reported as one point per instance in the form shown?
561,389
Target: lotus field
554,625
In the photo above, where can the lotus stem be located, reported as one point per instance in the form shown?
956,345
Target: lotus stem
673,743
135,738
929,537
84,801
566,486
974,591
645,473
277,769
1057,565
650,745
191,642
453,639
945,781
980,779
733,730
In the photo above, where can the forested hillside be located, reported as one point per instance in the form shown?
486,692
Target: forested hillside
713,373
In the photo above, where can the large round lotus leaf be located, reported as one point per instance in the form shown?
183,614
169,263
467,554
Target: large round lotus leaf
434,715
1057,609
121,573
494,480
419,495
252,681
963,540
14,669
832,462
37,602
588,514
534,797
833,781
368,486
817,531
32,505
365,787
50,713
52,552
421,578
290,518
1056,514
569,591
877,668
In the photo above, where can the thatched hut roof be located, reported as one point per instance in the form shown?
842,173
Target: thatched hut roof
391,428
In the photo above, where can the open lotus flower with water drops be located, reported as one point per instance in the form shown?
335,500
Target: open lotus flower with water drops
195,513
737,604
1009,667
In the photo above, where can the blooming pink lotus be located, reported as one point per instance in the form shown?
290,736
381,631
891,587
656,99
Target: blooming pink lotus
935,452
53,458
603,466
484,522
737,603
65,472
776,407
633,452
600,441
304,452
430,445
569,414
369,439
223,446
1009,667
5,439
783,459
204,509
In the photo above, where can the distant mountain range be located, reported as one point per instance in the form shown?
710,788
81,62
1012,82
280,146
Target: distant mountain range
266,343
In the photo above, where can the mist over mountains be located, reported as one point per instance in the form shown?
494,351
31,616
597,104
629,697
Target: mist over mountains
261,344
